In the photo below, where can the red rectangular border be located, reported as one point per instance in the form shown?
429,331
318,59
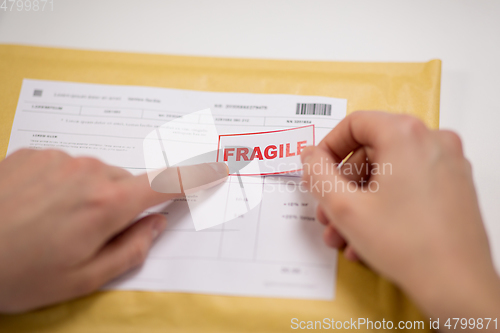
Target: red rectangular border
266,132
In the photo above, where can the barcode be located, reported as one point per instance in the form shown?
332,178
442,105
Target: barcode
37,93
313,108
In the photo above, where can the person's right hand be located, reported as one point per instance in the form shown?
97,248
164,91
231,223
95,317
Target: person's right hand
416,220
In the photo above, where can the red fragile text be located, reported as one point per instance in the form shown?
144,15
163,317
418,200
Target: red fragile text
270,152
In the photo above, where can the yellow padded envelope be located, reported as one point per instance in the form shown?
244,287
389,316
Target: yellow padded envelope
411,88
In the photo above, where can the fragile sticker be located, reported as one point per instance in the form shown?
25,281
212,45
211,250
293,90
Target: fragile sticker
265,153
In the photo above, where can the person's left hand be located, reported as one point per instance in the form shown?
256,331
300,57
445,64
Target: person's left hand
66,224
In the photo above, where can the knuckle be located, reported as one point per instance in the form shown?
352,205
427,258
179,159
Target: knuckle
52,154
22,152
42,157
451,142
341,208
412,126
106,196
87,164
358,115
39,158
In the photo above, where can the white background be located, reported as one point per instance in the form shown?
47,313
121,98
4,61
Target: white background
464,34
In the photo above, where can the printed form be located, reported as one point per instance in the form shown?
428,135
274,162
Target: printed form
274,249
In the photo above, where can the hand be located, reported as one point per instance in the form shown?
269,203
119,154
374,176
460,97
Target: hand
66,225
413,215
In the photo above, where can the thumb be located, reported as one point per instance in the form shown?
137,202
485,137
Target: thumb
126,251
321,174
337,195
188,179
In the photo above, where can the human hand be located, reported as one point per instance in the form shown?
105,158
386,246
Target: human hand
415,219
66,224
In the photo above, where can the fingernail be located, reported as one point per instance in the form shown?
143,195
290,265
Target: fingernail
306,154
220,168
159,223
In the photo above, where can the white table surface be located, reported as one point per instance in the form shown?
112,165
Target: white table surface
464,34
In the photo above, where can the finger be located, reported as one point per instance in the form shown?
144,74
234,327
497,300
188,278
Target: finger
450,142
337,196
134,194
142,195
95,166
321,175
128,250
320,215
333,238
356,167
361,128
188,179
22,154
